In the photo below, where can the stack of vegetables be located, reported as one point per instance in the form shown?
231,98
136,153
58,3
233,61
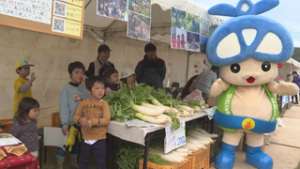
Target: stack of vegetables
197,105
149,105
197,139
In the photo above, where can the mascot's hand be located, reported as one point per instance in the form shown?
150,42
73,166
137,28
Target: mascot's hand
283,88
218,87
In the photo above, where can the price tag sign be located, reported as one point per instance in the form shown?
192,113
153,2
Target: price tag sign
175,138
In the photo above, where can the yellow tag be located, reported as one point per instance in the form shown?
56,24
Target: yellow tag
75,2
248,124
73,28
74,12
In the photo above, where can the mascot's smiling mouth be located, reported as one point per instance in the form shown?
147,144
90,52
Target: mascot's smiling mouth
251,79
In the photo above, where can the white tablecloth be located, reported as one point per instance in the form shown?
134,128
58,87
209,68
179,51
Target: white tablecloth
137,135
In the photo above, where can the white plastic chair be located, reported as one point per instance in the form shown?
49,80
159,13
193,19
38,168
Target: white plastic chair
53,136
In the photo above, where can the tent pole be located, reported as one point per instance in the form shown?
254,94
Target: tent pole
104,38
187,66
87,4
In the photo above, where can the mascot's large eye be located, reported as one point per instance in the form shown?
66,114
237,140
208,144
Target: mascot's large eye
235,68
266,66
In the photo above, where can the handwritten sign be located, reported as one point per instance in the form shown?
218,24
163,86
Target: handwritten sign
34,10
175,138
75,2
74,12
66,10
66,26
73,28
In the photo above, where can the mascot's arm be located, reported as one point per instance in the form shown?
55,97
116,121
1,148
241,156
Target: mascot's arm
283,88
218,87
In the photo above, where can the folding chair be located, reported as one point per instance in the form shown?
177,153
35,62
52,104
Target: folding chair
53,137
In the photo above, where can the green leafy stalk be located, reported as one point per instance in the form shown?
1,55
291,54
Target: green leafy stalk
175,121
128,157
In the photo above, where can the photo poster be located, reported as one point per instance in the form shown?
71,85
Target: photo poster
178,18
185,30
193,42
178,38
193,32
205,31
139,19
116,9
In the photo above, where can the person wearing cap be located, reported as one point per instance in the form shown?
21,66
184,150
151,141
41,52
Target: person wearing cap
102,59
22,84
151,69
128,77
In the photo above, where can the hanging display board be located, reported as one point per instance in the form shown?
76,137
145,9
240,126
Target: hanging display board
56,17
189,31
139,19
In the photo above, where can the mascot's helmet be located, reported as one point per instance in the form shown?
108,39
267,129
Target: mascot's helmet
248,35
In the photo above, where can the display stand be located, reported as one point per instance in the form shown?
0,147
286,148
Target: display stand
151,133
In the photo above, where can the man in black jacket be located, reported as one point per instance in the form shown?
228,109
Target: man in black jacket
151,70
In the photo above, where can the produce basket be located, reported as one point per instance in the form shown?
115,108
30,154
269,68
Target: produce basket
151,165
200,159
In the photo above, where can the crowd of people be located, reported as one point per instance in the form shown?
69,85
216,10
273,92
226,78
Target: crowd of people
80,103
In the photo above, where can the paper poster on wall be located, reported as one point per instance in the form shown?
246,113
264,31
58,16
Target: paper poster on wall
38,11
204,28
193,23
142,7
178,38
203,42
138,26
74,2
193,42
116,9
66,10
65,26
178,18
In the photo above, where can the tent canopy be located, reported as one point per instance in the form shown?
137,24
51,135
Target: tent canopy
160,19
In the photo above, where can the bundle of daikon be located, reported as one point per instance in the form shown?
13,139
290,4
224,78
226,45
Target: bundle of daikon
197,105
199,132
144,102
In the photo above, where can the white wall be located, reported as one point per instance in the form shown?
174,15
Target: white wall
51,56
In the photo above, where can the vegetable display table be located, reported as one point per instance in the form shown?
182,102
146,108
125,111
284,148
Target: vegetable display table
141,136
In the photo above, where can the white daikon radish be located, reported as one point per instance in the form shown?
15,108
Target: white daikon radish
151,106
168,157
186,108
147,111
183,150
161,119
181,154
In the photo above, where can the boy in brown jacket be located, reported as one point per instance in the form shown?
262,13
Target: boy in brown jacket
93,115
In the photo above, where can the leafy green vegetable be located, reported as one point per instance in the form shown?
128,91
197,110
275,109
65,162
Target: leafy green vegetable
128,157
121,102
175,121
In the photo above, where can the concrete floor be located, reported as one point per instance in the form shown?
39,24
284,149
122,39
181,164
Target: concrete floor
52,164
